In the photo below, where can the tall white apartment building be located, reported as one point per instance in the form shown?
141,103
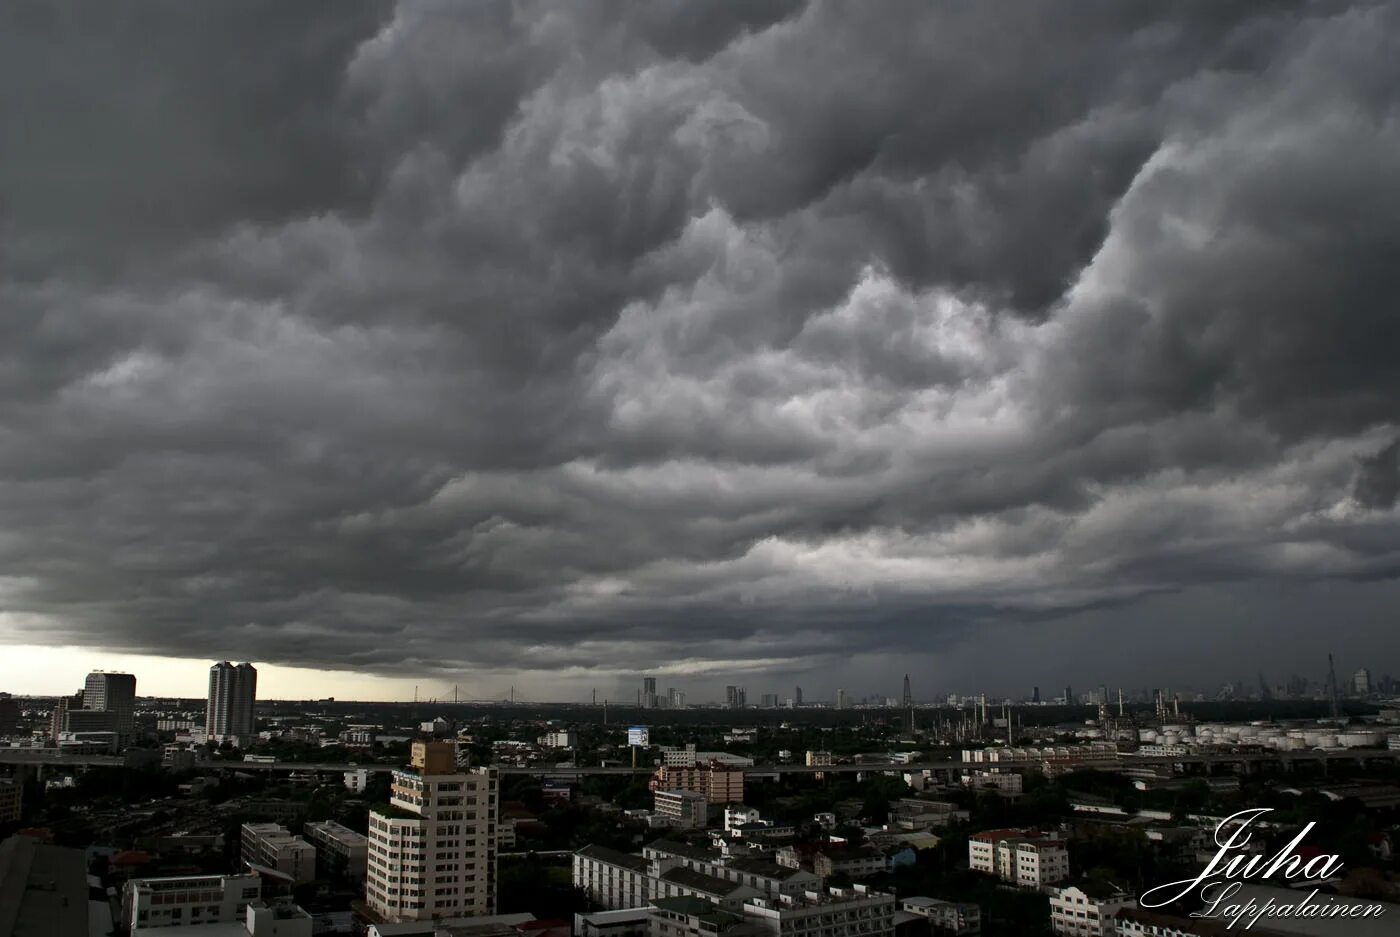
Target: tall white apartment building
432,851
1087,909
1024,857
233,694
151,903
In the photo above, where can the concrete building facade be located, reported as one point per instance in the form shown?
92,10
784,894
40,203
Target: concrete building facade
432,851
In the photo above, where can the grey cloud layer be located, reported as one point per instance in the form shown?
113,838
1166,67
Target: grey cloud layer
708,337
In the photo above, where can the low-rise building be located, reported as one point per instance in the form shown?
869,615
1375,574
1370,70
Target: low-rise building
946,918
853,862
612,880
720,783
272,846
625,922
1027,858
559,738
150,903
340,851
818,759
687,810
1087,909
1003,782
830,912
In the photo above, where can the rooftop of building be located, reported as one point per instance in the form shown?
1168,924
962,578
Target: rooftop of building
919,901
1097,889
699,881
43,889
701,909
614,857
1204,927
764,868
677,848
817,898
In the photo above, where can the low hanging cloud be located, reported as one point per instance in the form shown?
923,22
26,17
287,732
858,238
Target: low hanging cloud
705,339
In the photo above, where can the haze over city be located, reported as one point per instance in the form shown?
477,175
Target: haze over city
545,346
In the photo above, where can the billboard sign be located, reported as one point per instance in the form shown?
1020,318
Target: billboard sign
638,736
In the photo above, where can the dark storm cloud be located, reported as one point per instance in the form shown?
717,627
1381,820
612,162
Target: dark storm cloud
709,338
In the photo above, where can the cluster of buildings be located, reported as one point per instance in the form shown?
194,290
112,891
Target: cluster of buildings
101,714
675,889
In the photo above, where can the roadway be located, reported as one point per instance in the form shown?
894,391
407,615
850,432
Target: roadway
50,758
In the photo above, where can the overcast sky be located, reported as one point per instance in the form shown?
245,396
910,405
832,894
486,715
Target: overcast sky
548,345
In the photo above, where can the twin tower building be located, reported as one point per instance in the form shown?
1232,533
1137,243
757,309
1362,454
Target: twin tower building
233,692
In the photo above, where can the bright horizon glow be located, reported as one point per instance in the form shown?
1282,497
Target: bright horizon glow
34,670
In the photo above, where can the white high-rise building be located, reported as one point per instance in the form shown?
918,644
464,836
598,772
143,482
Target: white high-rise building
233,694
114,693
432,853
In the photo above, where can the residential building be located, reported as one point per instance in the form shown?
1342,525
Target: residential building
688,757
682,882
842,700
677,698
11,800
624,922
686,810
1003,782
610,879
114,693
357,780
43,889
739,815
691,916
946,918
1026,858
432,850
340,851
233,693
818,759
830,912
720,783
849,863
734,697
152,903
1087,909
270,845
559,738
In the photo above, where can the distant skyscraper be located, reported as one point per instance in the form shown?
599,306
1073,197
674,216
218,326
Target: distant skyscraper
114,693
908,696
677,698
233,693
649,692
1069,696
1035,694
842,701
797,696
770,701
1361,682
734,697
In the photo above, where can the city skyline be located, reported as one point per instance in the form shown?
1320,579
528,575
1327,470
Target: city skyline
702,342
